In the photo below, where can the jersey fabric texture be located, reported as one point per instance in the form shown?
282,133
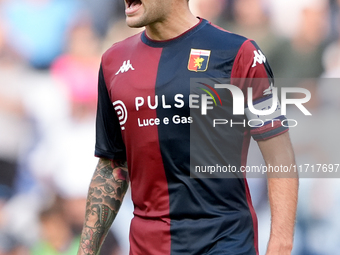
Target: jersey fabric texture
144,117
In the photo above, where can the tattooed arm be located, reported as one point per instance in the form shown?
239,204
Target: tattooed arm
107,189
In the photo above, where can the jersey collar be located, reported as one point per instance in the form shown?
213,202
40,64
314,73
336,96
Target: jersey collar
183,36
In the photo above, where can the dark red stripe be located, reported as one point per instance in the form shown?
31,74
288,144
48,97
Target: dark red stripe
150,227
149,183
240,72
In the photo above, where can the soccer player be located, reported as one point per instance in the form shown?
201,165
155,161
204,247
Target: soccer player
146,109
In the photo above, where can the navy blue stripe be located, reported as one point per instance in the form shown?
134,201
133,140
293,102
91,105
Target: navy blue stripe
109,141
207,215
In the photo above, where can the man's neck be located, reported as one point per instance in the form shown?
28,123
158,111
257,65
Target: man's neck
172,26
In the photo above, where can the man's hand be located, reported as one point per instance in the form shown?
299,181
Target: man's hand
282,192
107,189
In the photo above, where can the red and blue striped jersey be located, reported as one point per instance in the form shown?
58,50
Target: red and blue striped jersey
146,107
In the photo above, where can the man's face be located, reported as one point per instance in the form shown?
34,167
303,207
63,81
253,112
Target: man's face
141,13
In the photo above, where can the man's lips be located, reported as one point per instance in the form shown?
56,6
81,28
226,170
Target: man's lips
132,6
132,3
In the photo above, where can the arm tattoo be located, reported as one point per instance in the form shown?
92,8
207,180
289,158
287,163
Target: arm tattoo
107,189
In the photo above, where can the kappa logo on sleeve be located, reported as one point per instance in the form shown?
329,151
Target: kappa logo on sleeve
198,60
259,58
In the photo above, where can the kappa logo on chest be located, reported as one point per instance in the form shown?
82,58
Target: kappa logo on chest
127,66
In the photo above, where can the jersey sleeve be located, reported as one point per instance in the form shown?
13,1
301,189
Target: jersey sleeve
251,69
109,141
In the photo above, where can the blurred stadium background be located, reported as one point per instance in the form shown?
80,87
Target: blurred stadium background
49,58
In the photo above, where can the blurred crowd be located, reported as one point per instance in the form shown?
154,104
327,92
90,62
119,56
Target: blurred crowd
50,53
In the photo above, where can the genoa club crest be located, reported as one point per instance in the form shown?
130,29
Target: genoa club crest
199,60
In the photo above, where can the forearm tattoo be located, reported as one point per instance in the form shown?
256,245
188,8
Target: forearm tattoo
108,186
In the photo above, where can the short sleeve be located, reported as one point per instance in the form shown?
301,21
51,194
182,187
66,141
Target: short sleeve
109,141
251,69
